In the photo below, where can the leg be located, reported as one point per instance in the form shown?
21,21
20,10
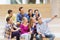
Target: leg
29,36
32,35
39,37
17,34
50,36
26,36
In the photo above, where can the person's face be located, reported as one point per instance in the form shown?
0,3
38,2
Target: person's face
36,13
31,11
22,11
40,20
11,14
25,19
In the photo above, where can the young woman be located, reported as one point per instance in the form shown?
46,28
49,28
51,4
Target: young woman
25,31
32,26
30,14
37,14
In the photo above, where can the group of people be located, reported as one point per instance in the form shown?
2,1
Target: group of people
27,25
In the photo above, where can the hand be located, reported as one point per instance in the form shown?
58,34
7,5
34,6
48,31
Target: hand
43,35
18,28
30,32
55,16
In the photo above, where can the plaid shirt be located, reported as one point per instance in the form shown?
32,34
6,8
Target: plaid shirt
8,27
43,28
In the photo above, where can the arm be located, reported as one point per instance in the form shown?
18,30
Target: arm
26,15
14,26
17,18
38,29
50,19
12,30
53,17
30,32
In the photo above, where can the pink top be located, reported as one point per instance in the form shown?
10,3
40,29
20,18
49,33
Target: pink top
24,29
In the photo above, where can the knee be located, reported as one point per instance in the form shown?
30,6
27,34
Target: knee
27,35
38,36
53,36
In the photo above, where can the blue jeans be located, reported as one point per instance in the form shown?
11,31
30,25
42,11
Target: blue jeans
39,37
50,36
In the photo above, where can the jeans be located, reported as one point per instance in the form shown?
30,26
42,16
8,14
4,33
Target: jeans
39,37
17,34
50,36
32,36
33,33
26,36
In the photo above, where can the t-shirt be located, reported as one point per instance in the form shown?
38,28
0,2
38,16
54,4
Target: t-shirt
24,29
13,17
20,16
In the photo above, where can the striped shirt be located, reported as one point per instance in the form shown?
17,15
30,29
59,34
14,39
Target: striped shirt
43,28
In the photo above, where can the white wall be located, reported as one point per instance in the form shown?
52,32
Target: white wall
5,2
55,7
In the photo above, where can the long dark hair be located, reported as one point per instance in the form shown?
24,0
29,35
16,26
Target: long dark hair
31,22
29,13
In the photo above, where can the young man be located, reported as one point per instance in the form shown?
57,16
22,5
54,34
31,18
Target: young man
21,14
10,14
11,30
43,30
